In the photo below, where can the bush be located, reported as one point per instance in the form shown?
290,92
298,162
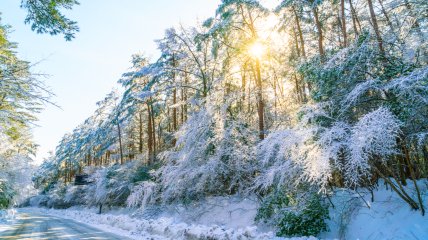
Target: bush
39,201
144,173
294,214
56,196
75,195
6,195
111,186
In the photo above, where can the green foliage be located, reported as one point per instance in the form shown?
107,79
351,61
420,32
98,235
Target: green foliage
45,17
294,214
271,204
142,173
6,195
22,96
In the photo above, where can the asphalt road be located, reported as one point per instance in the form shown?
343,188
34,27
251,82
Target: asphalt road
34,225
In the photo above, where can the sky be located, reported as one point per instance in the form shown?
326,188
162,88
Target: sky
83,71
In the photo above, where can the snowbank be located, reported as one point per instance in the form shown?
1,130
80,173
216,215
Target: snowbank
227,212
161,228
7,218
354,216
388,217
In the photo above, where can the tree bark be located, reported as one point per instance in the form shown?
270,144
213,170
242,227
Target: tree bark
386,15
376,27
174,97
296,43
299,30
120,142
260,105
343,21
320,32
140,146
355,21
154,132
174,109
150,136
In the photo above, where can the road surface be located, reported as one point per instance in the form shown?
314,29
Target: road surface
35,225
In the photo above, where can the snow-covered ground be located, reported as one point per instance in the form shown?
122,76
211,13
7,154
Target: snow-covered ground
354,216
214,218
7,216
34,224
388,217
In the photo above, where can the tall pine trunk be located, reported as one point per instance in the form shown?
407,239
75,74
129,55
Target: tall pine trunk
260,104
320,32
120,142
343,21
355,20
140,145
150,136
174,96
376,27
299,30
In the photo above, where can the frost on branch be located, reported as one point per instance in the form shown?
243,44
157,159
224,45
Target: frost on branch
374,136
311,153
358,92
275,154
412,87
323,153
98,189
142,194
212,156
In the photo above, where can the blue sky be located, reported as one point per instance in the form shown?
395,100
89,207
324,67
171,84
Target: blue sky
82,71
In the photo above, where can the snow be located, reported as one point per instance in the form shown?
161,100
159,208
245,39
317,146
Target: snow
388,217
7,218
213,218
354,216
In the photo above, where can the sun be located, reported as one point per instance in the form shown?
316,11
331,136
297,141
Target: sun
257,49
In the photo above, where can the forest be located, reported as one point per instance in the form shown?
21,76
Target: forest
291,106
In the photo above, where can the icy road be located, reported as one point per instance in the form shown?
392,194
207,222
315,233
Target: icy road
34,225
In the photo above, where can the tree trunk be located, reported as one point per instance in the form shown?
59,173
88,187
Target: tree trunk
386,15
120,142
153,132
140,146
186,80
182,106
150,136
320,33
355,20
299,30
174,97
343,20
174,109
376,27
260,105
296,43
243,83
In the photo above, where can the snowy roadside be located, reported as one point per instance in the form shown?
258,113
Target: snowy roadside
355,216
7,217
161,228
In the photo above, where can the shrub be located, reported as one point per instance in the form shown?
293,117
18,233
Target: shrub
294,214
111,186
144,173
75,195
6,195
